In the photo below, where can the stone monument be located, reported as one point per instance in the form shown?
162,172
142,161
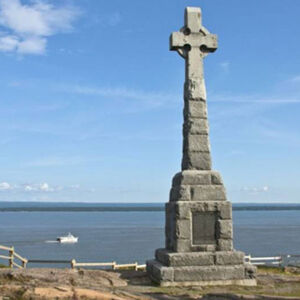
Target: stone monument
199,248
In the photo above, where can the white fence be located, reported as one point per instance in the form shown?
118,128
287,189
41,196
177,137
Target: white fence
258,261
113,265
282,261
12,256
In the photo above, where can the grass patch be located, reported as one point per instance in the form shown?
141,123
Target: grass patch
271,270
279,270
3,266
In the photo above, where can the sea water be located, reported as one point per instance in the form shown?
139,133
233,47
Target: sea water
128,236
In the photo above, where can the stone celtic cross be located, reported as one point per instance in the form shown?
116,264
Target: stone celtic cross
193,42
198,229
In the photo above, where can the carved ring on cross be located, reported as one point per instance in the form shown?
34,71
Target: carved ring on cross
193,36
187,47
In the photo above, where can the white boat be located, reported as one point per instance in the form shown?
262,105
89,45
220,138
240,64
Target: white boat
70,238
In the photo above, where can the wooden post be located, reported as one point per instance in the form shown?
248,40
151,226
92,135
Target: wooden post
73,263
24,263
11,254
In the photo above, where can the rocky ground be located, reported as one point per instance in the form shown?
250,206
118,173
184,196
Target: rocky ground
273,283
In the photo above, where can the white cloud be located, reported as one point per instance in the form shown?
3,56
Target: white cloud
253,99
265,188
40,187
8,43
255,190
4,186
45,187
32,46
295,79
56,161
28,188
26,26
75,187
140,100
119,92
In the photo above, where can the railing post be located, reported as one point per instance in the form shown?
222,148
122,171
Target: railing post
73,263
284,260
11,254
24,263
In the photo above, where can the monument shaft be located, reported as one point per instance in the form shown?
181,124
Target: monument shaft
193,43
198,228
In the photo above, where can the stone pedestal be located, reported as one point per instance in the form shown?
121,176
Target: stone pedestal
198,227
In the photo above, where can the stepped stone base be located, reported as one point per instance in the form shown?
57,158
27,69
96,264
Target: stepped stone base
200,268
199,243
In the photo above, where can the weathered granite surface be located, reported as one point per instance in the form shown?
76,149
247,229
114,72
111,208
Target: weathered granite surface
198,230
62,284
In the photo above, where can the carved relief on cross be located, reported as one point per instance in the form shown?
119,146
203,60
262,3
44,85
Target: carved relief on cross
193,42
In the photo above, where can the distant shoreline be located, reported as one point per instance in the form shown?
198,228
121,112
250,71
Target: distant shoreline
126,207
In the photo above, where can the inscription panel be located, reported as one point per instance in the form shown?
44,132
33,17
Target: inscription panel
204,228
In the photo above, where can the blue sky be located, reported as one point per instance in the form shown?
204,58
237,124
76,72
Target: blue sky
91,99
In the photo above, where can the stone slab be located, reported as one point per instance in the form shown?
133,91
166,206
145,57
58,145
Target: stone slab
192,177
182,209
196,161
229,257
224,245
175,259
238,282
195,126
181,226
224,229
181,245
206,273
250,271
197,177
183,229
208,193
180,193
216,178
225,210
198,193
195,109
194,89
196,143
160,273
204,228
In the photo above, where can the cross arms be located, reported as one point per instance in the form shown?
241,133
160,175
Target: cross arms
193,35
180,40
